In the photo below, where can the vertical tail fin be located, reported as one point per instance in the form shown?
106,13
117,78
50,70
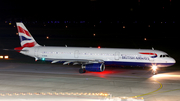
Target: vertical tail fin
26,38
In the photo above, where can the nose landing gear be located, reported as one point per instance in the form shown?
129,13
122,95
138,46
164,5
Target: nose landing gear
154,69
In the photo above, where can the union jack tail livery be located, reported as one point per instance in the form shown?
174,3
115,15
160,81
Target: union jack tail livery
26,39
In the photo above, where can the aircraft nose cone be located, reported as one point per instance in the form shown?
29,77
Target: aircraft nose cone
173,60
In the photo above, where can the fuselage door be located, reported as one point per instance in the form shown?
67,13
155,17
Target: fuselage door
153,57
116,57
36,51
76,54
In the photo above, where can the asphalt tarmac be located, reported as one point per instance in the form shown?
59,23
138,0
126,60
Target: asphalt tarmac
26,82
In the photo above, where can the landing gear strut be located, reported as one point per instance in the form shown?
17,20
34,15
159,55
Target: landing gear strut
154,70
81,70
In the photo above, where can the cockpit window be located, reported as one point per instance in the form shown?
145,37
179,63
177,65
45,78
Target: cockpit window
167,55
162,56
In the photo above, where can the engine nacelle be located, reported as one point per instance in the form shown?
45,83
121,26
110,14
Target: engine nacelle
95,67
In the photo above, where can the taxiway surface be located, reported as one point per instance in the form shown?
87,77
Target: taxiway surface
56,81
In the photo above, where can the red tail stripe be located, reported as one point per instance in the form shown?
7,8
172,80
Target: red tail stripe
21,30
29,44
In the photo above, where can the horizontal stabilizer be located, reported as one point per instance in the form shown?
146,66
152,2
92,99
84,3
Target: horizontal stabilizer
14,50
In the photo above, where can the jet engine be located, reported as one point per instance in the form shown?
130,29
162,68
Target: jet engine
95,67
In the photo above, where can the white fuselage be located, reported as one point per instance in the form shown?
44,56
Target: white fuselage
110,56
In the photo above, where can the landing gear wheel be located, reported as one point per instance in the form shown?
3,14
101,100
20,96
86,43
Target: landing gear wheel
154,72
82,70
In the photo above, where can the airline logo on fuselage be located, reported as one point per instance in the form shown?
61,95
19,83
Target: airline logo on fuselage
154,54
139,57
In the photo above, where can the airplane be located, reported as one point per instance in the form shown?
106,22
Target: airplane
91,59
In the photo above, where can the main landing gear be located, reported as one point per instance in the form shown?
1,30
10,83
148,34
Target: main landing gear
82,69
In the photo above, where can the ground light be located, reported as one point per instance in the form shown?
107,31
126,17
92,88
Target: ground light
104,96
4,57
1,57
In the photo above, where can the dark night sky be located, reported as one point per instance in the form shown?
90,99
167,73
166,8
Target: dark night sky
137,15
156,20
91,9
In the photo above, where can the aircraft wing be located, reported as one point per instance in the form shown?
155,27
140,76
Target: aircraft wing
78,61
